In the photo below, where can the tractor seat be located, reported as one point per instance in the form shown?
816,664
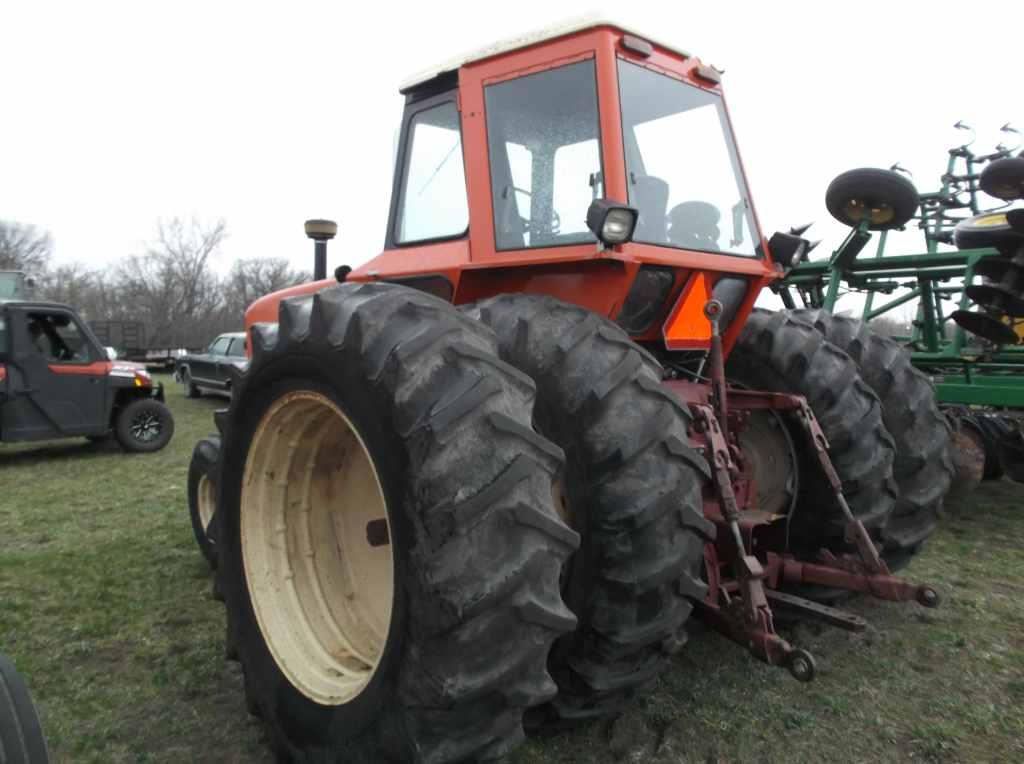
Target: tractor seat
650,197
694,225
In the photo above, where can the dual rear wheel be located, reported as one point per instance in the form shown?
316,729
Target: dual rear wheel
401,493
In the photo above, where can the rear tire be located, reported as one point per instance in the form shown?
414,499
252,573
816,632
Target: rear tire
391,387
633,492
202,495
21,734
779,353
143,426
923,468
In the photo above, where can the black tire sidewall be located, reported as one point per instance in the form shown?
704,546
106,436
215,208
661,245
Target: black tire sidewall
889,186
205,457
19,711
122,427
351,393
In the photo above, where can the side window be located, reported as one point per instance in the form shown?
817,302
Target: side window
433,198
58,338
237,349
3,336
220,346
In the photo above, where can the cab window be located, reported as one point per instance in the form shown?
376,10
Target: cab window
220,346
58,338
545,162
434,204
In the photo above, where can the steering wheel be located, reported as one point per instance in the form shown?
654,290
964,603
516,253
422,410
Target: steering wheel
535,228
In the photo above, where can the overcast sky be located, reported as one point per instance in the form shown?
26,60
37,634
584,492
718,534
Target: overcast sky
117,114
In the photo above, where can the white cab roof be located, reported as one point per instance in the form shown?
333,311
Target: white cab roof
550,32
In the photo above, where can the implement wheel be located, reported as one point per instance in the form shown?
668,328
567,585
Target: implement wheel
923,468
885,198
21,735
632,489
779,353
389,548
202,495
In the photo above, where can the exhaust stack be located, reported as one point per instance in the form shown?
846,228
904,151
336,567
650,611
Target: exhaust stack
320,231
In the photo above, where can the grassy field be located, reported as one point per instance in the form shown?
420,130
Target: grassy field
105,606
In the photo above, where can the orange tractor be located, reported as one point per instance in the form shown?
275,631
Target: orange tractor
483,480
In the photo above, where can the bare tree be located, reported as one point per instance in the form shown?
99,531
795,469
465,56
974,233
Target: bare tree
24,248
252,278
172,288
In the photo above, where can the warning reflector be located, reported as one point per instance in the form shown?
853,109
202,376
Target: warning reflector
687,327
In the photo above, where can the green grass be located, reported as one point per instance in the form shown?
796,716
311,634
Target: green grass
105,606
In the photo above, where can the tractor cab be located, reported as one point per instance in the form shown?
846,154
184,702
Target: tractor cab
586,162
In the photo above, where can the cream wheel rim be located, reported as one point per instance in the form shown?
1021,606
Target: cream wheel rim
316,547
206,502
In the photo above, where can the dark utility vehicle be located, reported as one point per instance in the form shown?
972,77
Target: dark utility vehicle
57,381
212,369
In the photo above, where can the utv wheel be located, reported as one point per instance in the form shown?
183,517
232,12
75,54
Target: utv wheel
21,734
885,198
389,548
191,390
632,489
923,467
779,353
144,425
202,495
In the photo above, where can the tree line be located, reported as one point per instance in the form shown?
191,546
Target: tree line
172,287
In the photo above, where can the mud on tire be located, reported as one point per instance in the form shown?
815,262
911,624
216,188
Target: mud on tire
467,489
923,467
633,491
779,353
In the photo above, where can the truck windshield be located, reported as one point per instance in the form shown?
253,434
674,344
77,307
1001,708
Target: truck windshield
545,161
681,164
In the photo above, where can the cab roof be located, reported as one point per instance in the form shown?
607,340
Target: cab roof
542,34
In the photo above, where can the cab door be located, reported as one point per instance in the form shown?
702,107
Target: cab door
56,377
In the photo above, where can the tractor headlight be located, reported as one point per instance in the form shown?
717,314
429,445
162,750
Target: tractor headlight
611,222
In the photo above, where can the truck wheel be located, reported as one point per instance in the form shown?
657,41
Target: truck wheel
632,489
389,548
21,734
202,495
923,467
144,425
779,353
191,390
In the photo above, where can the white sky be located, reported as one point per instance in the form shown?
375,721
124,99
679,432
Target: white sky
117,114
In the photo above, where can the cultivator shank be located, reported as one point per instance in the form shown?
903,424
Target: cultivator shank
751,563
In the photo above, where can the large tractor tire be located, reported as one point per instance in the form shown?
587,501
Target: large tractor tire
21,734
923,468
780,353
202,495
389,547
632,489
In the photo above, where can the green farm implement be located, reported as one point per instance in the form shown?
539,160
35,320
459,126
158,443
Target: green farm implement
968,286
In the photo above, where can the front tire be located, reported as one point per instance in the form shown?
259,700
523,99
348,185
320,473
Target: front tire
143,426
191,389
202,495
378,423
633,491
